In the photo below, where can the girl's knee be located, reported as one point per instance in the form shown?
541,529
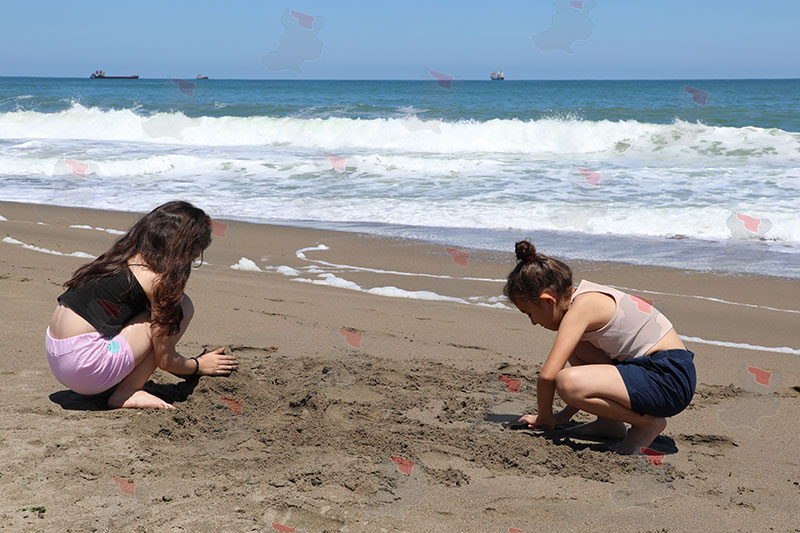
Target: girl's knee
573,383
568,384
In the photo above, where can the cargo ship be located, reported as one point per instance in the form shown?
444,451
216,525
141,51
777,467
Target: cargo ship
497,76
101,75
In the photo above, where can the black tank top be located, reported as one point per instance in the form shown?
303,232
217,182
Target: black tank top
107,303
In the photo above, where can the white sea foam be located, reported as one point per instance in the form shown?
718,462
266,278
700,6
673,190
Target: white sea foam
301,252
742,345
140,164
544,136
498,301
287,271
246,264
332,280
394,292
708,298
11,240
298,197
111,231
658,180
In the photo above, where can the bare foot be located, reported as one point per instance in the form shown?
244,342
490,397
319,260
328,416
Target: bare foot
640,436
602,427
138,400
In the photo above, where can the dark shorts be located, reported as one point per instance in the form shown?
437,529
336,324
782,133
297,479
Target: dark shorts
660,384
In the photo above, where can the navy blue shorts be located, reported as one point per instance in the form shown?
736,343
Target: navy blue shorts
660,384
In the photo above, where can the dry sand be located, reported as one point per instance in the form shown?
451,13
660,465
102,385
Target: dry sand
407,431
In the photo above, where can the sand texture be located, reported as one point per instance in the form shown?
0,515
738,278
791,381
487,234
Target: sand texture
358,411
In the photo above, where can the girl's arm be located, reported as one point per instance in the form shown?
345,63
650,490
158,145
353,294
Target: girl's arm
167,358
574,324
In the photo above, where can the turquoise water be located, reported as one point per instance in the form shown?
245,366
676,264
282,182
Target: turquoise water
635,171
734,103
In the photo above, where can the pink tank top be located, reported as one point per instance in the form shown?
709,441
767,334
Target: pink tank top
635,327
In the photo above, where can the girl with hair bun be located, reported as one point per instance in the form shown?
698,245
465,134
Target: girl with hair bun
123,314
627,363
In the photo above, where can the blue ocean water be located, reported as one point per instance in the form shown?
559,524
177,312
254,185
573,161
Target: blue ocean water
701,174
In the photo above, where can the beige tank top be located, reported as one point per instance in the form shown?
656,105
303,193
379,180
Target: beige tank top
635,327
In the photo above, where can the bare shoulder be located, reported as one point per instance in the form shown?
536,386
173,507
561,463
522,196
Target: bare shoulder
145,277
596,308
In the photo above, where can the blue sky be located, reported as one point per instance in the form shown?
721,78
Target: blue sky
381,39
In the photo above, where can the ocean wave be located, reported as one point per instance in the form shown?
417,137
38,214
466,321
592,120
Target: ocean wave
709,223
153,164
555,137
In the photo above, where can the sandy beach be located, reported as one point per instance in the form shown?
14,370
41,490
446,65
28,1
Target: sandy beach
355,409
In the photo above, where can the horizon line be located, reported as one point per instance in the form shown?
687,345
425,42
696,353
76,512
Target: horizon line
418,79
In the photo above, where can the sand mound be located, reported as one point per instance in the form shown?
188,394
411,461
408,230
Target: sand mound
372,435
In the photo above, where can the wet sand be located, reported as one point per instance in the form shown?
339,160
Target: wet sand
357,411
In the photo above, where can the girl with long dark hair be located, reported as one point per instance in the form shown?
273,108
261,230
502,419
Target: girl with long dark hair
123,314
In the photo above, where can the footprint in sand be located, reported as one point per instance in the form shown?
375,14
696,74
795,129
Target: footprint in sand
402,488
505,404
758,401
650,480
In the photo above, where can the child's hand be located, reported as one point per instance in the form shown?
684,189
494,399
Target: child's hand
216,363
540,420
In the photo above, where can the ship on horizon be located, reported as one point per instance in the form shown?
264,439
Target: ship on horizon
101,75
497,75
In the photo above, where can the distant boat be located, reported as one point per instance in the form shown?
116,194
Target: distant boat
101,75
201,77
497,76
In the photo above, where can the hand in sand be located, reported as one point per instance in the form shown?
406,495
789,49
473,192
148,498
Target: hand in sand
216,363
541,420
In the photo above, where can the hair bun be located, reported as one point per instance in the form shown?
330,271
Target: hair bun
525,250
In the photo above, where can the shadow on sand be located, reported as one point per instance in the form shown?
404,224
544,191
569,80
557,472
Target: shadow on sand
172,393
561,436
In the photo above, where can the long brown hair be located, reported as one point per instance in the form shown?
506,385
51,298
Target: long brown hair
535,273
168,238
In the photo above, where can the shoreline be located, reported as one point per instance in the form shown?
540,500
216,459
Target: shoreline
702,256
470,238
339,388
438,277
